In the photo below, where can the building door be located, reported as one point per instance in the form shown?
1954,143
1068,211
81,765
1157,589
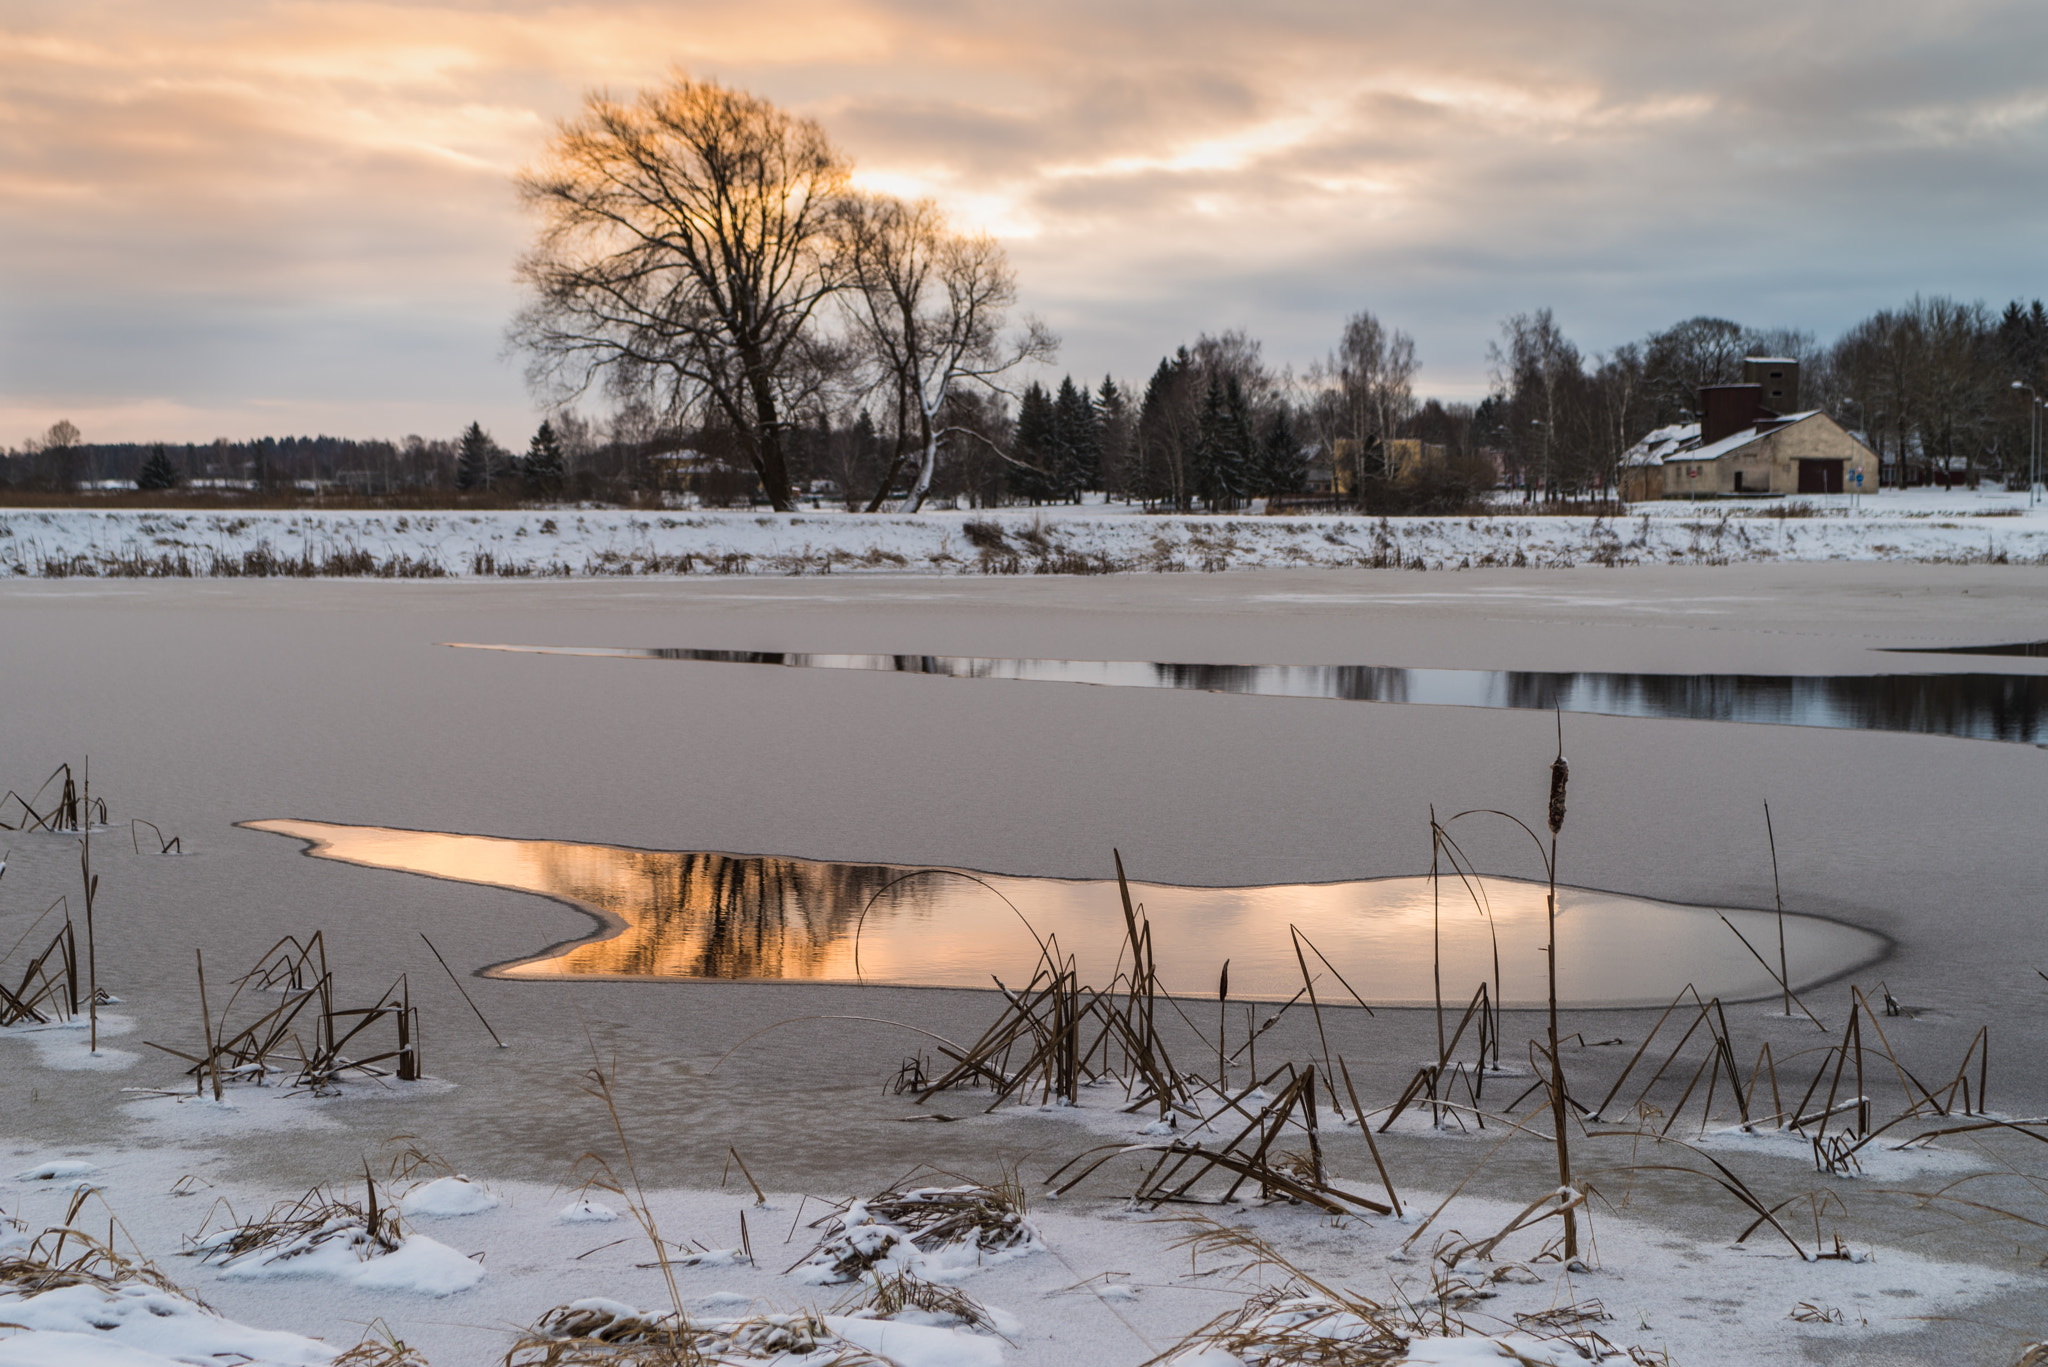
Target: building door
1820,476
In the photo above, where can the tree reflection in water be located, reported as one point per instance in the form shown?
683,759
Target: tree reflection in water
1975,706
694,914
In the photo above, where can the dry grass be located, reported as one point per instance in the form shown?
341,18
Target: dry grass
65,1255
291,1229
603,1334
860,1235
381,1347
1300,1320
890,1294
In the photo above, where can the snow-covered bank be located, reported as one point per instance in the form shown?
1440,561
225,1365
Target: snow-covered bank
1935,526
1099,1282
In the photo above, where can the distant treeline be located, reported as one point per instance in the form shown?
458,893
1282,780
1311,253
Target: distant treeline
1930,384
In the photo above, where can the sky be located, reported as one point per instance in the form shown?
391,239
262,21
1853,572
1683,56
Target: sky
247,217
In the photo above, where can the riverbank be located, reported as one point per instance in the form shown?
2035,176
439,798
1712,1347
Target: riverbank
1918,526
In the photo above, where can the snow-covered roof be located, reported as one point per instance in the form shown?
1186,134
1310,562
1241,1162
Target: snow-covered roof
1730,444
1656,446
1727,445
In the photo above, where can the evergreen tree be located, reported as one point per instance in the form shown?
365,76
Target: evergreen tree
1115,427
545,466
1223,444
158,472
2023,336
476,465
1282,464
1078,442
1167,433
1035,446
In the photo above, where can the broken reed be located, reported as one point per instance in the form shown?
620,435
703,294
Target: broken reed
72,810
272,1043
1070,1035
49,987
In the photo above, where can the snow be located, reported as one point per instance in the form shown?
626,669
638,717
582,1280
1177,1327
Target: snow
1911,525
419,1265
55,1348
917,1345
448,1196
585,1212
1094,1257
66,1044
1490,1352
87,1326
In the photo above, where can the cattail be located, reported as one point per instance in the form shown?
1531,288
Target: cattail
1560,775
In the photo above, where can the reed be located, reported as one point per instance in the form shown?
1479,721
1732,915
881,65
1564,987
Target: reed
271,1042
1778,895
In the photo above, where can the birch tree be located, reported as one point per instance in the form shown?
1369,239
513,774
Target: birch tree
1375,371
929,307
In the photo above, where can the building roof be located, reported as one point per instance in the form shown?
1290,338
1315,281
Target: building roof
1681,441
1655,446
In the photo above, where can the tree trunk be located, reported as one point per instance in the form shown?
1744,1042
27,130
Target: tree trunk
928,461
767,446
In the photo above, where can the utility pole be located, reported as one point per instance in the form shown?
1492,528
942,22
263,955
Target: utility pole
2033,442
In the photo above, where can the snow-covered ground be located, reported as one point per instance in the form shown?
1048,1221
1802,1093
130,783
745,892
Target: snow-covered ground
471,1262
1940,526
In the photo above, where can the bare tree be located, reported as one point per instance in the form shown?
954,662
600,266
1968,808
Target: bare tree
1617,403
686,243
1374,369
1685,358
56,452
928,306
1536,375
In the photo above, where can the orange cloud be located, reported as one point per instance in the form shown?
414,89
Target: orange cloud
282,167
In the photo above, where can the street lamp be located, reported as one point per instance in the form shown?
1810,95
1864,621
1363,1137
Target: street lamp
2033,442
1868,421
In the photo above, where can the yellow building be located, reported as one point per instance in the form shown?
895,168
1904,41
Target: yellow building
1406,458
1800,453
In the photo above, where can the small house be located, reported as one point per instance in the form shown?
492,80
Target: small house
1743,445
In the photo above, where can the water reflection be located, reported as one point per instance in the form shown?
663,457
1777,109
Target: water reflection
2003,707
2030,649
694,914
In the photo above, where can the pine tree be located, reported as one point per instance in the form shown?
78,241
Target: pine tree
1114,426
476,465
545,466
1223,445
158,472
2023,336
1035,447
1168,433
1078,441
1282,464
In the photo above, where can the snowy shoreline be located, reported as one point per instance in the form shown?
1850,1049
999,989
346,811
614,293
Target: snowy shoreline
474,1259
1921,526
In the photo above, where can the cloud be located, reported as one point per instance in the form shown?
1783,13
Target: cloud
266,208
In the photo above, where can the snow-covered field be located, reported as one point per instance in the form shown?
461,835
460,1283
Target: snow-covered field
1936,526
